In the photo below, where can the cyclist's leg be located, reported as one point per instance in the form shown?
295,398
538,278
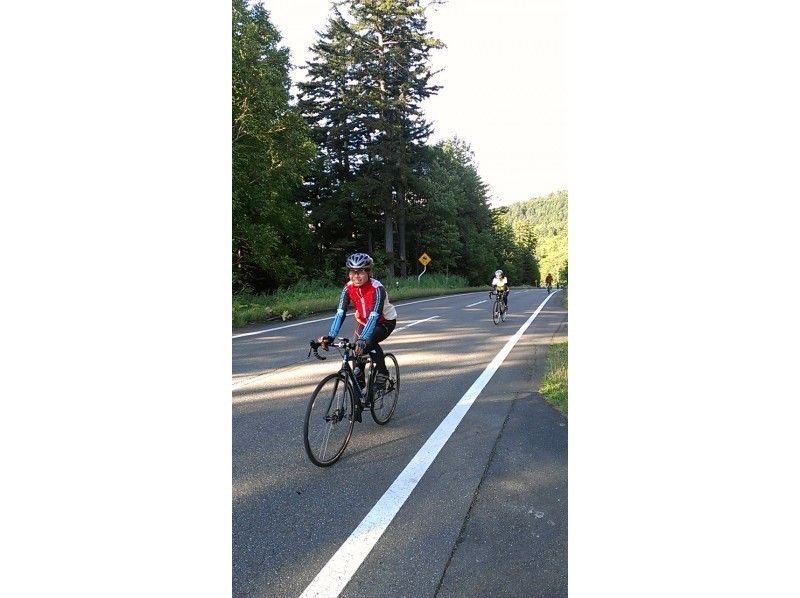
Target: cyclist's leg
382,331
505,298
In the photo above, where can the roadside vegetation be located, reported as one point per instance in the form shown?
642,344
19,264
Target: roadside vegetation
306,298
554,386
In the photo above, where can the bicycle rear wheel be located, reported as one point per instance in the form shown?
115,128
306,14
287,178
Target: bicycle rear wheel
329,420
496,312
384,401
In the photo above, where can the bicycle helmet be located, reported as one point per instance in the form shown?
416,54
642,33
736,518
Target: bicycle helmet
498,273
359,260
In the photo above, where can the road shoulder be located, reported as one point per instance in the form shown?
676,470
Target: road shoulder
514,540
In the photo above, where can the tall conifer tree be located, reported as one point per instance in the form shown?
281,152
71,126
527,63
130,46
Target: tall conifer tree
370,75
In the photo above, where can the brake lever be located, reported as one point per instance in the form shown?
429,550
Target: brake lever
314,349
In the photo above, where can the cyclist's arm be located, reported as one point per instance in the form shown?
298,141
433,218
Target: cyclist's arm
341,313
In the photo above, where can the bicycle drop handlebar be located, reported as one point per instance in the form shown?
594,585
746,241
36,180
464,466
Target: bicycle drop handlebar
341,343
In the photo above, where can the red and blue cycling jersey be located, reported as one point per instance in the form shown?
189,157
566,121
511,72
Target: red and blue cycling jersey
371,304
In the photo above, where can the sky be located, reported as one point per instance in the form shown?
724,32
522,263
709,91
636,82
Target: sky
504,84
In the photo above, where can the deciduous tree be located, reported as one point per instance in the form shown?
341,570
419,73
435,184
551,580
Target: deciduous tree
271,152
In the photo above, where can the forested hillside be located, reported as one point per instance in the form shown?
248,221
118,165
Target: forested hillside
346,166
547,217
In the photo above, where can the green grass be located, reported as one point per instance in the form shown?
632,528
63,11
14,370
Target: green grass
554,386
307,298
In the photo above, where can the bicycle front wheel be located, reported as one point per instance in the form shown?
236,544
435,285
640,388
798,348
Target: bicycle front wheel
383,401
329,420
496,312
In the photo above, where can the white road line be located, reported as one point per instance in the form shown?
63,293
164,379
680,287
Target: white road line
478,303
282,327
331,317
345,562
242,383
435,298
417,322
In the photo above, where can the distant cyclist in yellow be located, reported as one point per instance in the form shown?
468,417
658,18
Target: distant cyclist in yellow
500,286
549,281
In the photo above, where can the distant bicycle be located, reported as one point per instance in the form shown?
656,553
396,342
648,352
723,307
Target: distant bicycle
499,309
339,398
549,287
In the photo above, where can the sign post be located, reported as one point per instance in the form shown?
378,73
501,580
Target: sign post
424,259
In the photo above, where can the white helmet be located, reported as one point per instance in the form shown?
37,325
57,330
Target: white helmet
498,273
359,260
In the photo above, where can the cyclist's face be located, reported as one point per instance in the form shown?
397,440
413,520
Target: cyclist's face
358,276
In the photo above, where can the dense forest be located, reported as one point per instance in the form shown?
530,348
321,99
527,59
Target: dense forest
548,219
346,166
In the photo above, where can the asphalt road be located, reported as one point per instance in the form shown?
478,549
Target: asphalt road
487,517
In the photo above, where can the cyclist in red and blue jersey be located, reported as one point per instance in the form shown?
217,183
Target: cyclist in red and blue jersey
376,317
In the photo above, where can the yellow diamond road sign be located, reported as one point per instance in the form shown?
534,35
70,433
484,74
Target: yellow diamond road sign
424,259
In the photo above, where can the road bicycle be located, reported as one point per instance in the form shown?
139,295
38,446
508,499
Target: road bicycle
499,309
549,287
338,400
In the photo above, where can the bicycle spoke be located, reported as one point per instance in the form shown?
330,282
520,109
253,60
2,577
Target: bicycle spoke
328,423
384,401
